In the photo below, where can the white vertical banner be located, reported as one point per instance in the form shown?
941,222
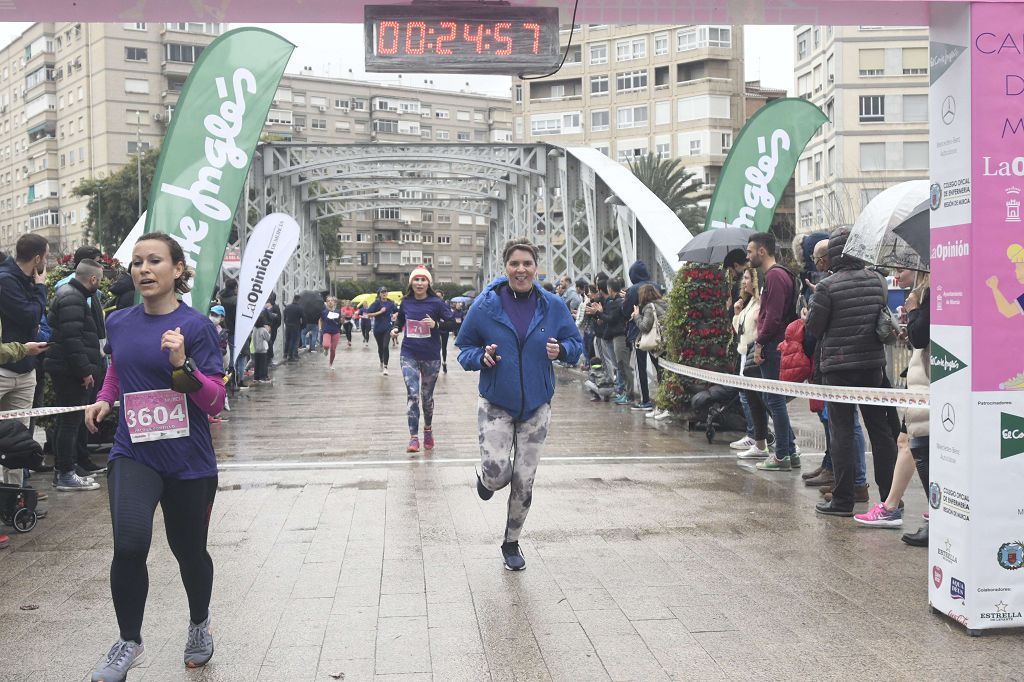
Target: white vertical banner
270,245
124,252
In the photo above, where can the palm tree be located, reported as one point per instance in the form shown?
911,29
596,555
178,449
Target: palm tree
674,185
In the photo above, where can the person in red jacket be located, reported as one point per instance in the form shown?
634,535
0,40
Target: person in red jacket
794,365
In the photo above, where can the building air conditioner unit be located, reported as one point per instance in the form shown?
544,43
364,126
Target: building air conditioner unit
158,117
322,109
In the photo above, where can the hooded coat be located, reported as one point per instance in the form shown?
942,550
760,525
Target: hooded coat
794,366
844,312
123,291
638,275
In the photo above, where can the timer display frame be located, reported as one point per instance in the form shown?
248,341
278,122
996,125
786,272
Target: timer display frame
461,37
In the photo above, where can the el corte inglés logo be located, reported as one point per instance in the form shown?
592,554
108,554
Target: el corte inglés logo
1011,436
944,363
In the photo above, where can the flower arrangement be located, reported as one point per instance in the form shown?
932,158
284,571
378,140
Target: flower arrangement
698,332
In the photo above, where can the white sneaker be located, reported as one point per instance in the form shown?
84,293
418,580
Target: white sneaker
753,453
385,371
743,443
652,414
663,414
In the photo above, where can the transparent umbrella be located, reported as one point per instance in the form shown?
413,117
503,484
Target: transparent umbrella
872,237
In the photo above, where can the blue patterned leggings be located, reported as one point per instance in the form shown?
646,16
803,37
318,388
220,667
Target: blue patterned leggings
420,377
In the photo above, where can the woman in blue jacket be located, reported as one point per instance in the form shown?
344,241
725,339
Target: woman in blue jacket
511,335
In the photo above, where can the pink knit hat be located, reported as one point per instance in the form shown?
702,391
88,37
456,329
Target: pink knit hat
421,270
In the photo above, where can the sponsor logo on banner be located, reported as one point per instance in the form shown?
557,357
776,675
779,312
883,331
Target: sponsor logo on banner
1003,168
948,418
1002,612
948,453
935,196
944,363
946,552
942,56
1011,437
1011,555
950,501
937,576
957,589
957,617
949,109
950,193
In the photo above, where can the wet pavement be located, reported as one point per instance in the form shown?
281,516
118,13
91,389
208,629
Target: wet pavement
651,556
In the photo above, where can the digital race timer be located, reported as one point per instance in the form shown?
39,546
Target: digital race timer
461,37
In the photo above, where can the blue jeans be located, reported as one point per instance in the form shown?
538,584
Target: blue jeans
745,404
859,444
309,336
775,405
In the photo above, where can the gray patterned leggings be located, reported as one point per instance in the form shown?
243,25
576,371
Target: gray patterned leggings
420,377
510,453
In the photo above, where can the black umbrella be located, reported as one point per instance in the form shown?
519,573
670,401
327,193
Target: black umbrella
711,246
915,231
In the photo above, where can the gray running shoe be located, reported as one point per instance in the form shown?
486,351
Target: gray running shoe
72,481
199,647
123,656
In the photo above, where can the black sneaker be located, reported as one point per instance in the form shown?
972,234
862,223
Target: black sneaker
484,493
85,467
513,556
829,509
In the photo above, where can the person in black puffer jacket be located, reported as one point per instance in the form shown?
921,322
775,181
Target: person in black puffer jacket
123,291
843,315
73,361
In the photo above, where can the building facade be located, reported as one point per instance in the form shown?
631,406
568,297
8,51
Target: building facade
677,91
79,100
872,83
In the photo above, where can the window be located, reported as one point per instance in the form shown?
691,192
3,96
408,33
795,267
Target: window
599,85
803,86
444,218
388,214
462,136
915,155
519,93
465,240
186,54
383,125
410,236
555,124
444,238
444,135
726,142
557,91
441,113
817,37
803,172
136,86
662,112
135,27
663,150
817,167
316,101
344,236
803,45
831,157
134,147
806,212
463,116
872,108
695,147
872,156
444,260
915,61
426,132
342,127
817,78
362,237
872,62
661,44
630,80
915,108
628,151
136,54
830,68
318,123
716,36
686,39
632,117
599,53
599,120
703,106
428,237
627,50
279,117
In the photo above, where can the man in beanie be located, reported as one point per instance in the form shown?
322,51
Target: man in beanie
421,316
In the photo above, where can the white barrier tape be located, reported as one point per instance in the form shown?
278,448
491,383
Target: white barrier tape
887,397
43,411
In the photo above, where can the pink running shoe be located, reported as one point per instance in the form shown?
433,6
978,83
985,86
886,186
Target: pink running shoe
881,517
428,440
414,445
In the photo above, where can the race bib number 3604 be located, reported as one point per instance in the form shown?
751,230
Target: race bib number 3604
155,415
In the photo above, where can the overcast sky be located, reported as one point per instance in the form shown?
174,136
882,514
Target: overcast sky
337,50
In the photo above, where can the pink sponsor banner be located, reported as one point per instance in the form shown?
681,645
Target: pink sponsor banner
951,275
997,277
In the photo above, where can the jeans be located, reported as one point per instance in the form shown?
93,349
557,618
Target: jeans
292,332
858,442
588,346
71,436
310,335
876,420
763,404
17,393
745,404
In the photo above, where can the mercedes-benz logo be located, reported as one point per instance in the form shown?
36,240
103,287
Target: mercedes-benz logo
948,109
948,417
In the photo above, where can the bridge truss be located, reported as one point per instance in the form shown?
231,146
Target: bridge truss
574,204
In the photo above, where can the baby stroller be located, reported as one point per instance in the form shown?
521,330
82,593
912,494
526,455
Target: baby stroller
598,384
18,450
717,408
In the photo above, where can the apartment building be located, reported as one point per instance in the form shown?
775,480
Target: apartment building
872,83
628,90
79,100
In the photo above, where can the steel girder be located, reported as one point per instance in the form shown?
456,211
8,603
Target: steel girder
537,191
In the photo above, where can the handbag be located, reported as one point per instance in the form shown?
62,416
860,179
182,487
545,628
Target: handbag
650,341
887,327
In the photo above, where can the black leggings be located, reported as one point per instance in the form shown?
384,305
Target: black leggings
383,342
444,346
134,490
366,334
347,329
641,369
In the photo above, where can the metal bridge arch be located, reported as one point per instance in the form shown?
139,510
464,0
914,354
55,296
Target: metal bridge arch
585,212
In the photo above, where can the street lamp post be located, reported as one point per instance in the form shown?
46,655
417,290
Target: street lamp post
138,153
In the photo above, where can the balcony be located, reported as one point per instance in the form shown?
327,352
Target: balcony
169,68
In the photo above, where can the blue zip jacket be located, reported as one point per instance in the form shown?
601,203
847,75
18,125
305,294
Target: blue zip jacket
22,305
523,380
